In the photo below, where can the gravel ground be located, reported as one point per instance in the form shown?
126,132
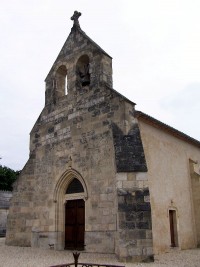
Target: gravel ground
34,257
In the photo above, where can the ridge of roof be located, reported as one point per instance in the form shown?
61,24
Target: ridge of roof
161,125
74,29
78,28
125,98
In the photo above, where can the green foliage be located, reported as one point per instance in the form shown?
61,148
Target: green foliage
7,178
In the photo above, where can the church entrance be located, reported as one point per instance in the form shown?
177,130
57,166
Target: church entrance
75,224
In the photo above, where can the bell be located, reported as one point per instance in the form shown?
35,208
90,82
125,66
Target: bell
85,80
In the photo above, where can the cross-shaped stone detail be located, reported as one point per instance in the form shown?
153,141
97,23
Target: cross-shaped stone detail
75,18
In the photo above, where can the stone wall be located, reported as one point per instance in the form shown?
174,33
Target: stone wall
129,151
75,137
4,206
89,143
134,217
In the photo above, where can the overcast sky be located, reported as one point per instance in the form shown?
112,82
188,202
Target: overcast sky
155,45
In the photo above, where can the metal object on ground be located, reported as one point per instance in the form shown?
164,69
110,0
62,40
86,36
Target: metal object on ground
76,263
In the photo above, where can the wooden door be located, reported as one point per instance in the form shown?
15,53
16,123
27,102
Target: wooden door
74,224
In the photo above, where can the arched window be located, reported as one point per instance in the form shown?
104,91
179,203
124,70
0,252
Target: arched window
75,187
61,81
82,69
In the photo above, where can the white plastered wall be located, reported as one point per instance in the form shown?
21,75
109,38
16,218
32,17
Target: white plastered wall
170,186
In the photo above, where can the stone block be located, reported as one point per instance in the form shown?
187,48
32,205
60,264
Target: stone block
136,234
123,253
112,227
149,234
36,223
143,207
141,184
131,216
131,176
105,204
141,176
127,207
122,176
96,227
144,242
110,197
29,222
122,224
128,184
119,184
103,197
101,242
106,211
130,225
134,251
149,251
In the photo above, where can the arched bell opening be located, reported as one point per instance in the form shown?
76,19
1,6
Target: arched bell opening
82,70
61,81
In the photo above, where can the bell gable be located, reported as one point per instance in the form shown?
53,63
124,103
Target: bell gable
81,63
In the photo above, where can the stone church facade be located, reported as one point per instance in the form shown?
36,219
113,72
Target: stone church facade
101,176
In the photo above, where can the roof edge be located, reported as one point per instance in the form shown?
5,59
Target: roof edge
120,95
74,29
160,125
86,36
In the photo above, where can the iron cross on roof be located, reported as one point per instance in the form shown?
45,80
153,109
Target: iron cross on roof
75,18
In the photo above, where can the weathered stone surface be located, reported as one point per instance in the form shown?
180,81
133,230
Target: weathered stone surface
5,197
100,242
129,151
134,222
86,131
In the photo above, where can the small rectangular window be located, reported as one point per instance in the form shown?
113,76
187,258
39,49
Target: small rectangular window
173,228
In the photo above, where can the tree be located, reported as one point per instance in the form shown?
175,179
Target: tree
7,178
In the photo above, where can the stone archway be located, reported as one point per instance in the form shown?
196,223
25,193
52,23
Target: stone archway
60,200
